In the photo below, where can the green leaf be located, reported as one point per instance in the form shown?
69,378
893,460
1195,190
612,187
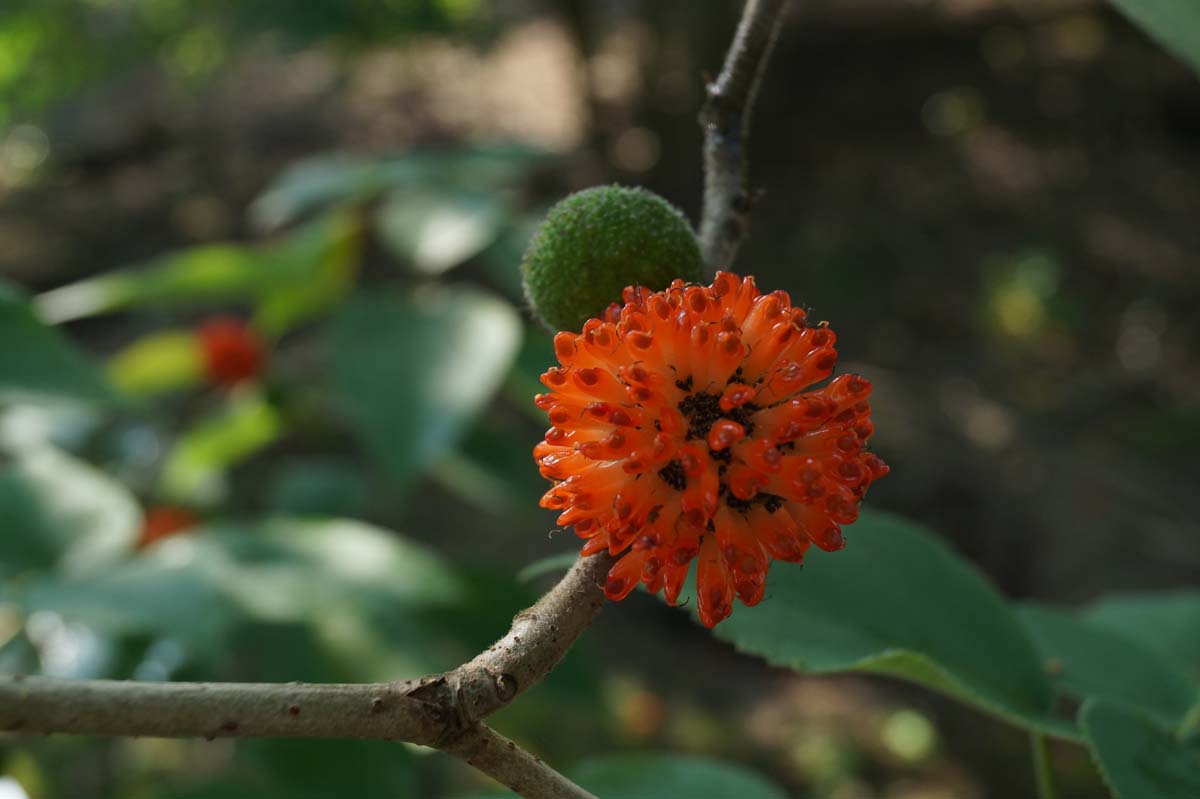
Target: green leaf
1139,757
437,231
310,770
195,468
332,278
653,776
1175,24
898,601
409,373
1168,623
547,565
324,181
318,487
168,591
306,267
379,605
1087,660
163,361
58,511
37,361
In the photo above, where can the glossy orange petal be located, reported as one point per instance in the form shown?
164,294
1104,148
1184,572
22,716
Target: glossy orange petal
685,426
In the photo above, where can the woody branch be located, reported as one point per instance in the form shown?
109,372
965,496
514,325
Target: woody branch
445,710
725,120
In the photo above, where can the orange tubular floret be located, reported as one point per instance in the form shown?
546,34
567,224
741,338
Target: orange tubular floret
684,428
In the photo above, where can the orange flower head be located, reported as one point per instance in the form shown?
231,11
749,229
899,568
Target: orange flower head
164,521
232,351
685,427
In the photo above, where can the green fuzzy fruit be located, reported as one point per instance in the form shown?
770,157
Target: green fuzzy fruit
598,241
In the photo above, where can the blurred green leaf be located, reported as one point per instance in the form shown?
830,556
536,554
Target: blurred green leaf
333,277
313,770
468,479
324,181
1140,758
436,231
501,260
654,776
410,372
307,267
318,487
168,591
1175,24
58,511
195,468
37,361
501,451
374,600
1086,660
898,601
166,360
1167,623
548,565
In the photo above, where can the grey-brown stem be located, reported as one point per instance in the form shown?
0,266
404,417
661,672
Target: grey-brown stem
440,710
725,119
506,763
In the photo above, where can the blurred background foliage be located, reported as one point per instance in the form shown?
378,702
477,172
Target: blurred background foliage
993,201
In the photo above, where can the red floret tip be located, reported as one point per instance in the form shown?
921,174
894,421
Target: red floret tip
685,427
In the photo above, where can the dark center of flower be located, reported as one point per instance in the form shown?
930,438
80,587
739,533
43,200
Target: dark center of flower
673,475
702,410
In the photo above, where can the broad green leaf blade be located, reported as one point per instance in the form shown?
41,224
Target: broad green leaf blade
376,603
194,470
898,601
436,231
1175,24
1139,758
325,181
319,487
551,564
37,361
1087,660
159,362
311,770
313,255
168,591
1169,623
331,279
654,776
410,372
57,511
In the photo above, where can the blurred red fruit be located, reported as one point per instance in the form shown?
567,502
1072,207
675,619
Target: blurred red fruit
164,521
233,352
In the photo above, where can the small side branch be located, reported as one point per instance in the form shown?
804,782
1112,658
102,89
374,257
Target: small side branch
538,639
725,119
506,763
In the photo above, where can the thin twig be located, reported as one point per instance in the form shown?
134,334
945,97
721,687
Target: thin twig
725,118
504,761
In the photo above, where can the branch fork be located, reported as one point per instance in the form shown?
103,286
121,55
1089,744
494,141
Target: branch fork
445,711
